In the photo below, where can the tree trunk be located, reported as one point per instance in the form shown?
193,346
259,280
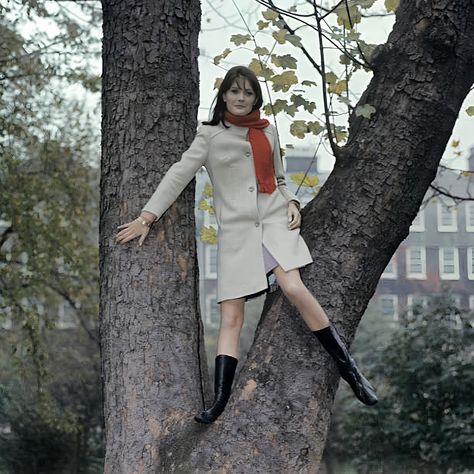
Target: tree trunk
279,412
151,333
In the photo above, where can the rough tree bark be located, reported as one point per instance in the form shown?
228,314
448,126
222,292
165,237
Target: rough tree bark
278,415
151,331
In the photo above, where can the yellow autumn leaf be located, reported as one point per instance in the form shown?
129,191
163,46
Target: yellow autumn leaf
270,14
218,82
466,174
208,191
280,36
260,69
330,78
307,181
299,128
470,111
283,82
220,57
392,5
203,205
339,88
240,39
262,24
208,235
455,143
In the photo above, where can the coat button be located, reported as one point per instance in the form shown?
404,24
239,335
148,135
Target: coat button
251,188
257,224
247,154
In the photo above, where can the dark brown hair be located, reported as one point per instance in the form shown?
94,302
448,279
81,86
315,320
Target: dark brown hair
232,74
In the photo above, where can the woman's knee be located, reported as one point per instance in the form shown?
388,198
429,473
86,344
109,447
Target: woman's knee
232,314
293,289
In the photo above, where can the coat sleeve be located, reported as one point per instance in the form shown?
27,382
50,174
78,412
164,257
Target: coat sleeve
279,172
179,175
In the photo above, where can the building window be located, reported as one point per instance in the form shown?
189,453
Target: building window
469,206
66,316
415,302
470,263
212,311
471,302
418,224
447,218
448,263
389,306
390,271
416,262
210,252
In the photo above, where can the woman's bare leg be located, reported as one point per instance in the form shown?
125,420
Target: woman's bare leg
315,317
232,319
295,290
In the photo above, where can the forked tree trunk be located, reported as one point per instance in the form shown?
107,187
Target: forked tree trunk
279,412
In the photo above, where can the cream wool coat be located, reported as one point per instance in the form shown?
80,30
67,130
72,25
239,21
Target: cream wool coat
245,218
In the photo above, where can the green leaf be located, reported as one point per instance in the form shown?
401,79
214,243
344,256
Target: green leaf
309,83
283,82
344,59
280,36
470,111
346,16
279,106
315,127
392,5
295,40
262,24
365,110
287,61
261,51
223,55
240,39
330,78
299,101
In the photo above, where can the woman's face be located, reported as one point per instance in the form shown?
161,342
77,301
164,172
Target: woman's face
240,98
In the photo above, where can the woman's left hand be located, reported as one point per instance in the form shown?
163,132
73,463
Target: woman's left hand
294,216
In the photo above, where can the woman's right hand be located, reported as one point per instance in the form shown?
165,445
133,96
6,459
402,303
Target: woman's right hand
133,229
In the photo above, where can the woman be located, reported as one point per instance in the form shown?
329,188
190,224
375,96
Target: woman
258,227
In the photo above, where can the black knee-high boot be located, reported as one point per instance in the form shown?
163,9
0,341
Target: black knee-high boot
330,340
223,378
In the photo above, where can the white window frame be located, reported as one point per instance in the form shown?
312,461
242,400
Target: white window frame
442,261
208,251
209,307
411,298
418,224
453,227
394,299
469,207
391,275
422,274
470,263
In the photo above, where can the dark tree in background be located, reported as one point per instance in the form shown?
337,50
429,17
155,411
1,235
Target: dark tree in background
153,359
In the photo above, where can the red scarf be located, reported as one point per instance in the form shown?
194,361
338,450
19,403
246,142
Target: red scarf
261,148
